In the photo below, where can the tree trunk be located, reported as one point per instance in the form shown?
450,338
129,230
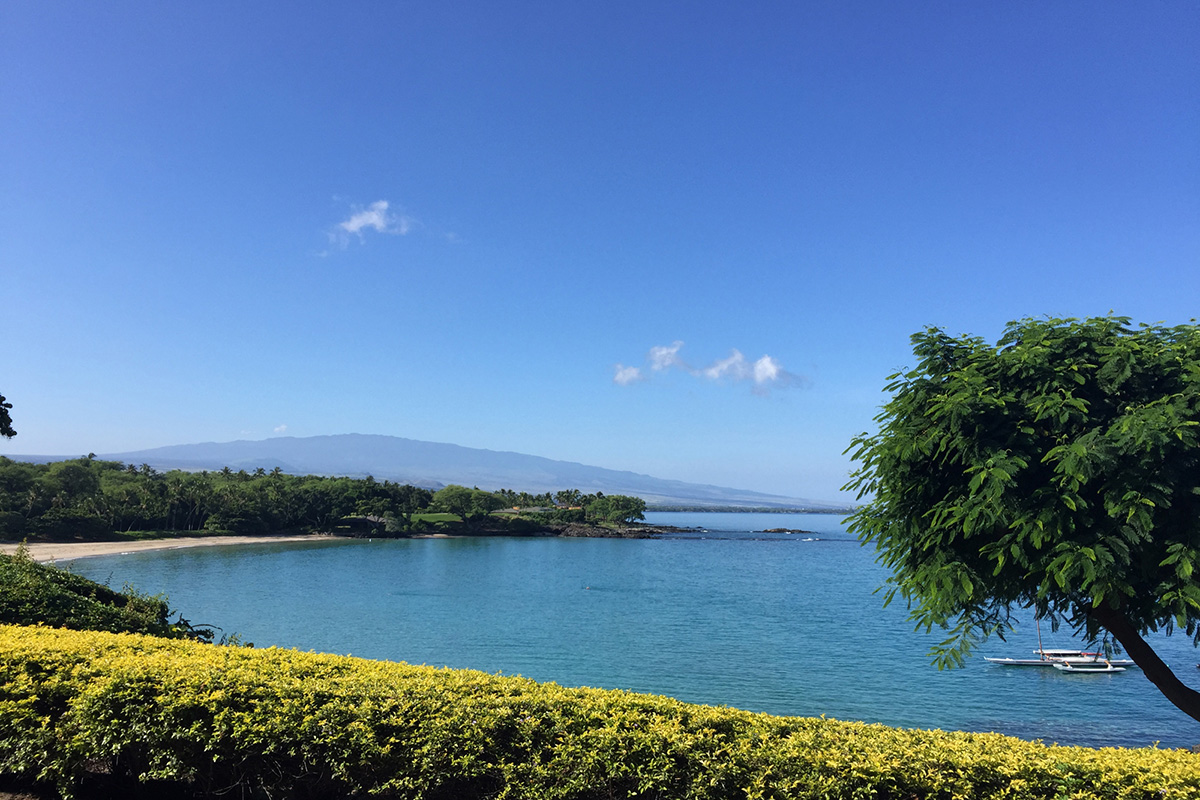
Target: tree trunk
1185,698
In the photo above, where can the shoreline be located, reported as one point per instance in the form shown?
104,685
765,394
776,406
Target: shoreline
68,551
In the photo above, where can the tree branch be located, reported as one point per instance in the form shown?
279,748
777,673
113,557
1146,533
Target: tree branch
1185,698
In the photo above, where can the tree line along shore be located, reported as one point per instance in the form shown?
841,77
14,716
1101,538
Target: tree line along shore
89,499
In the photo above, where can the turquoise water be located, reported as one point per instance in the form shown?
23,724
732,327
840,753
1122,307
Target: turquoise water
782,623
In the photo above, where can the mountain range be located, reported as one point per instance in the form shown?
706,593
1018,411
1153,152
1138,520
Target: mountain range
433,465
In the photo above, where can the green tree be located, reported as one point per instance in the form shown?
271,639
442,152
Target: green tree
72,481
616,508
454,499
1057,470
484,503
626,509
569,498
470,505
16,481
6,428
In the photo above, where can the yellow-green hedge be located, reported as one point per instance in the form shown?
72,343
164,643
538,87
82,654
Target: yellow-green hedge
83,706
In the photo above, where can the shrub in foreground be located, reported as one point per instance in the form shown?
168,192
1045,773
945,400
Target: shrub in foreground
33,593
81,710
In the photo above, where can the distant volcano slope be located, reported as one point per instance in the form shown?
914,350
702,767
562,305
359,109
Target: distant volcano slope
432,464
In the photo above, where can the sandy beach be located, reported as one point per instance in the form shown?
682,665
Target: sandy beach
65,551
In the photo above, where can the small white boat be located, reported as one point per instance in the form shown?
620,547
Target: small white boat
1066,660
1072,658
1089,667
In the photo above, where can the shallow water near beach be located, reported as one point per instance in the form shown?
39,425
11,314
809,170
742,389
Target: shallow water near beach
786,623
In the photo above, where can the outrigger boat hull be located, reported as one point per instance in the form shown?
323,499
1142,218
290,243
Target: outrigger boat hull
1090,667
1067,661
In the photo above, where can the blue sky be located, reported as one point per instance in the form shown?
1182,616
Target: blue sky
686,239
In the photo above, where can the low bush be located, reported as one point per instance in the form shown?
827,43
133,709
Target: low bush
90,709
33,593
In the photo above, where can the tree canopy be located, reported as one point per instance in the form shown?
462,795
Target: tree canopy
1056,470
472,505
617,508
6,427
90,498
93,498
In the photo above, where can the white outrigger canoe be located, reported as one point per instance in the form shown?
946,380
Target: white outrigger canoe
1068,661
1076,661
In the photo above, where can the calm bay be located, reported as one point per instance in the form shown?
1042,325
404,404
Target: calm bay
785,623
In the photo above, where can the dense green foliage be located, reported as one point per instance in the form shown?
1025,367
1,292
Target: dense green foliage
87,498
572,505
616,508
1058,469
41,594
96,713
474,506
470,505
90,498
6,424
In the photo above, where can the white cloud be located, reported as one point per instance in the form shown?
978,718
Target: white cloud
766,369
661,357
374,217
733,367
764,374
281,428
627,375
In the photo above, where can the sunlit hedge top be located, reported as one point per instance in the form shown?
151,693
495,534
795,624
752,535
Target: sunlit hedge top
281,723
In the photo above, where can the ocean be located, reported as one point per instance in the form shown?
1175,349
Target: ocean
726,614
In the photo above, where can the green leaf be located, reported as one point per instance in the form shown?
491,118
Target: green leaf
1055,467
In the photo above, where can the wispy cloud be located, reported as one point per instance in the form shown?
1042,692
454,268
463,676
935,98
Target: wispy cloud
375,217
281,428
661,357
734,367
627,375
763,374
